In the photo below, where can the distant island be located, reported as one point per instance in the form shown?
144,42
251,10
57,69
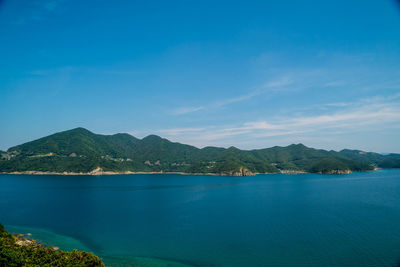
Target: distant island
79,151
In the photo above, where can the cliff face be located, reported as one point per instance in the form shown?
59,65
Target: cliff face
97,171
241,172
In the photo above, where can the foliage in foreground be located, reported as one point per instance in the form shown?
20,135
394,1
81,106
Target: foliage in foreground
13,254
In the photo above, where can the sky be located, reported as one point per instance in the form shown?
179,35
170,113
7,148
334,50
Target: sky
249,74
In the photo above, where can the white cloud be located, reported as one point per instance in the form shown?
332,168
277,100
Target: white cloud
179,131
278,83
185,110
366,115
260,125
288,81
269,87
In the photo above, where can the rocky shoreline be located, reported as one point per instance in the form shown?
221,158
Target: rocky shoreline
22,250
26,240
99,172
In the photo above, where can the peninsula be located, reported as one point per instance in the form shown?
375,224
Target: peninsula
81,152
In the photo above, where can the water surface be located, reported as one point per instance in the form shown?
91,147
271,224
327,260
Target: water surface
162,220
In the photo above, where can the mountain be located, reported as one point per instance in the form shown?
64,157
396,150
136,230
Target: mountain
79,150
383,161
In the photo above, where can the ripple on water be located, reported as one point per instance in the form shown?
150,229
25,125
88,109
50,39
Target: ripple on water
67,243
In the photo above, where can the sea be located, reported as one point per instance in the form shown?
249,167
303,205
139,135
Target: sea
204,220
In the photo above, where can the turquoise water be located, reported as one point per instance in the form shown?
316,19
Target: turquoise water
167,220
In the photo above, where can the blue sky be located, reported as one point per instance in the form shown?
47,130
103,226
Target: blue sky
251,74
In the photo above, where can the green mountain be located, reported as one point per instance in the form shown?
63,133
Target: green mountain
79,150
382,161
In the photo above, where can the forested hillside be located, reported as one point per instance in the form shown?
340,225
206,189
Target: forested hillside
79,150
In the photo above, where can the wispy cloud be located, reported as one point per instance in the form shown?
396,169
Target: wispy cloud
271,86
364,115
287,81
179,131
186,110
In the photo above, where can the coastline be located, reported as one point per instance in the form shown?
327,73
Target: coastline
20,249
42,238
114,173
98,172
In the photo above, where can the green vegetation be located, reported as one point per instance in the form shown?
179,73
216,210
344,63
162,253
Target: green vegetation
33,254
390,161
379,160
338,165
79,150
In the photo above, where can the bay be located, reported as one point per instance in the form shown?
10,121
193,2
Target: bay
200,220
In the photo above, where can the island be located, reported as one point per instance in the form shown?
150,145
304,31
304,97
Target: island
82,152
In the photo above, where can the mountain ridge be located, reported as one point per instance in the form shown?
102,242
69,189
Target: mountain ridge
81,151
